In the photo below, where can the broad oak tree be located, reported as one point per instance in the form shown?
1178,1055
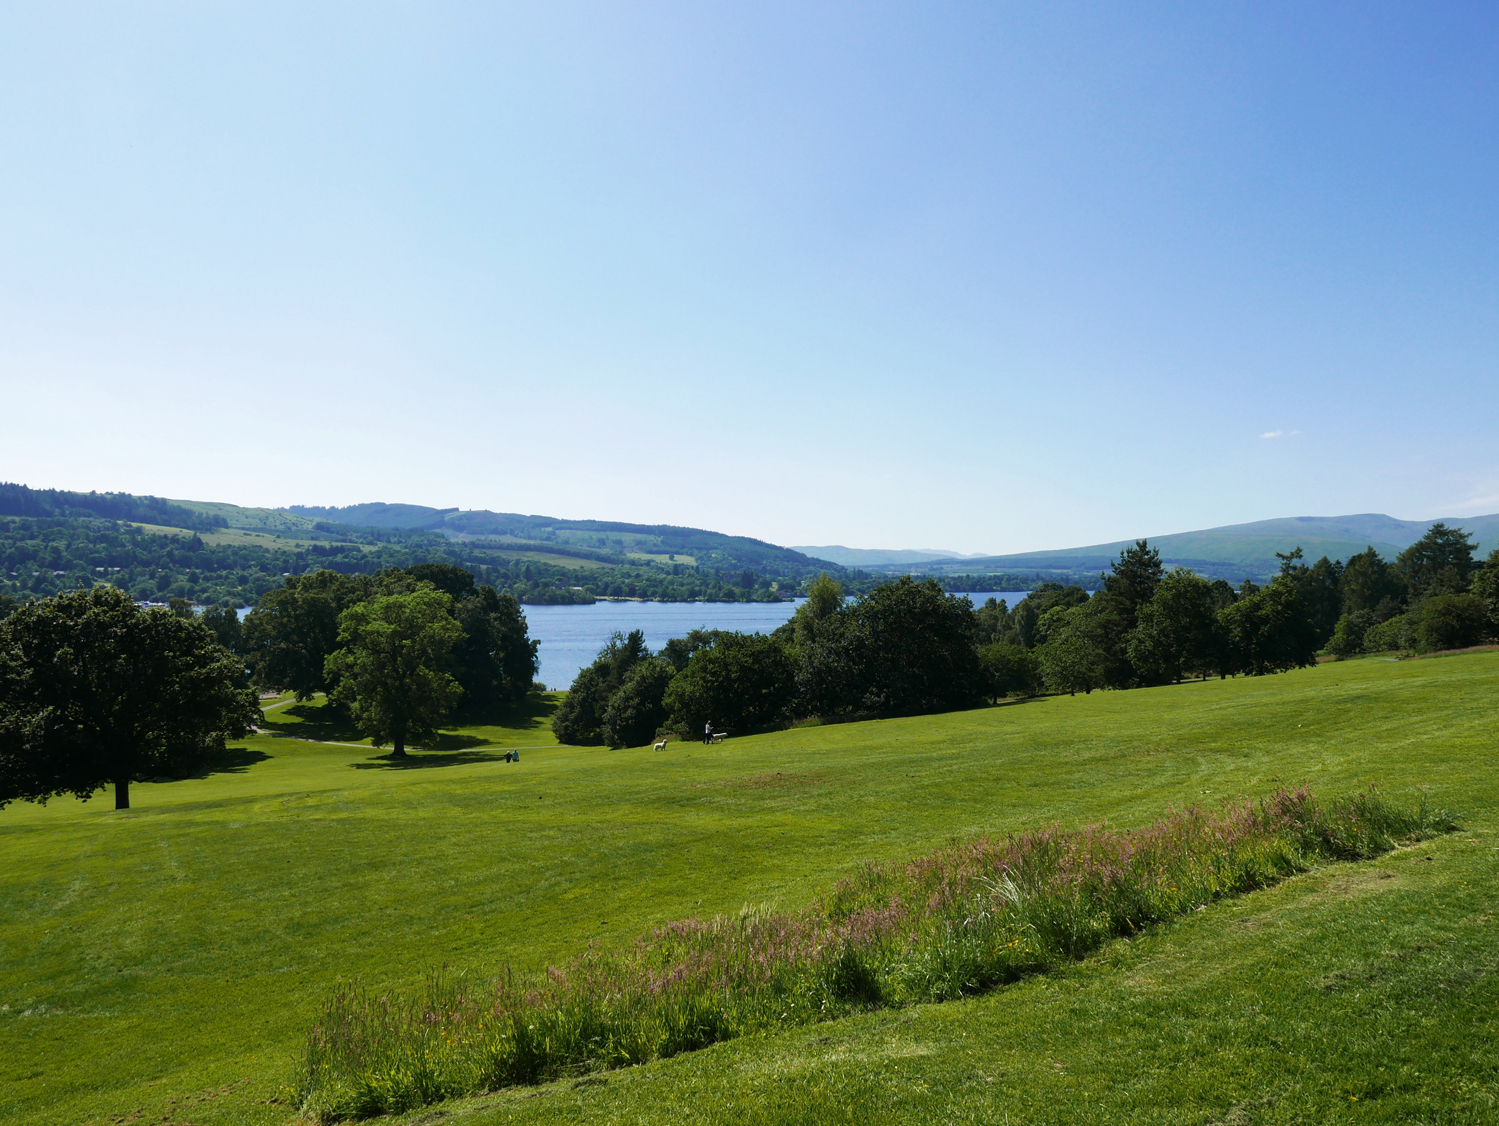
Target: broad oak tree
394,668
95,691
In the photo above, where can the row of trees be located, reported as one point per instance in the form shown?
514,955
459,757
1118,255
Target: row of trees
1436,595
1150,627
907,646
96,691
401,650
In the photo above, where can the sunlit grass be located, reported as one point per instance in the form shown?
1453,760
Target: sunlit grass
953,924
182,951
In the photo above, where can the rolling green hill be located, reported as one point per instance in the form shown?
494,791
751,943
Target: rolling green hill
705,548
585,559
164,965
253,519
207,551
877,557
1236,550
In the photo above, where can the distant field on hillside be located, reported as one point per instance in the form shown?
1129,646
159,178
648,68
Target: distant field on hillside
166,963
272,519
236,537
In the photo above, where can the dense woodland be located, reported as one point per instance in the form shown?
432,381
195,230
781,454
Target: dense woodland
44,556
908,647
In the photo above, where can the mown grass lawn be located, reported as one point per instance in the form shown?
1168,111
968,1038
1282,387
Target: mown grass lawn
166,963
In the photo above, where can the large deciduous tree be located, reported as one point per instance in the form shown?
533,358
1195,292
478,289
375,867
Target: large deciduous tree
580,717
1176,633
738,681
393,667
496,659
1269,630
1025,619
292,631
1073,657
95,691
910,648
637,709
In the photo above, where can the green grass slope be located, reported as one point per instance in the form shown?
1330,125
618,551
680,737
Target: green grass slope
164,965
254,519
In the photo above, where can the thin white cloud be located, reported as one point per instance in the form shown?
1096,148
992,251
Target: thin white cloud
1479,503
1280,433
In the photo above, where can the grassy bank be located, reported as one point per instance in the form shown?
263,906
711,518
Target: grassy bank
169,962
953,924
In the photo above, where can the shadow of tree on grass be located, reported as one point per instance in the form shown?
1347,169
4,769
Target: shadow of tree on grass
425,760
313,721
530,714
451,741
232,760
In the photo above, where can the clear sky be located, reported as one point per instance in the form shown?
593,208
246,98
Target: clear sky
988,277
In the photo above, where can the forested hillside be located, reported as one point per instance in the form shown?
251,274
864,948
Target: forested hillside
206,552
663,542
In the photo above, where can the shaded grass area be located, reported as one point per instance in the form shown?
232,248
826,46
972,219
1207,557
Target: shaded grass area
526,722
953,924
181,951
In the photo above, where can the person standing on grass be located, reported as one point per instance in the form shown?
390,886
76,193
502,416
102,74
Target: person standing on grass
707,733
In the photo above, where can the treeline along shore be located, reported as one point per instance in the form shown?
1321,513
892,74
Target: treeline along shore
406,649
909,647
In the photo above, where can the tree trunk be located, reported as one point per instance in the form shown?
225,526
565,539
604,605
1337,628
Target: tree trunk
122,793
398,747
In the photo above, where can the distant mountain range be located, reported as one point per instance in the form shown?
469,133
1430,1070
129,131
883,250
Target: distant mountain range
1234,551
875,557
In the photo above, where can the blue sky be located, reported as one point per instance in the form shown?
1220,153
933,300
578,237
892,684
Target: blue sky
988,277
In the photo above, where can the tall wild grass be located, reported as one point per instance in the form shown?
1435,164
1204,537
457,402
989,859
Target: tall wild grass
962,920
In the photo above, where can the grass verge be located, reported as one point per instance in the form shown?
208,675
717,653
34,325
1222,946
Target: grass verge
957,922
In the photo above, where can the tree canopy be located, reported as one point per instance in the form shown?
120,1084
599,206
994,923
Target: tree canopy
907,646
1440,562
95,691
393,667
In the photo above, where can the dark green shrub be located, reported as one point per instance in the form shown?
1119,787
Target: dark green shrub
1450,621
1009,670
1348,635
637,710
738,682
1388,636
580,717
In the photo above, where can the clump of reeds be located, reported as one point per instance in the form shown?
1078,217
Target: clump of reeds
967,918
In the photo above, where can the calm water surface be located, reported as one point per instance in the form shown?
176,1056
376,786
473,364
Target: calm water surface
571,636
